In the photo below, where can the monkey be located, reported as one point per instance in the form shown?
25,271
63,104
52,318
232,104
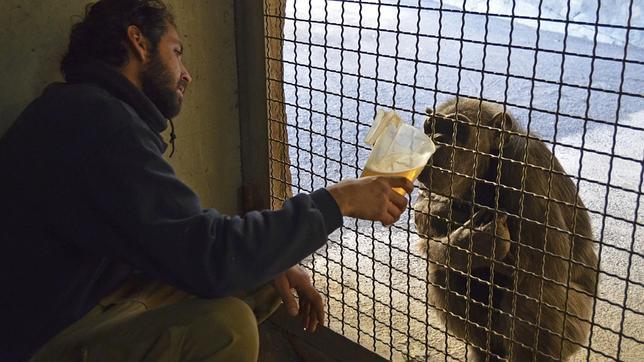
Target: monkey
485,161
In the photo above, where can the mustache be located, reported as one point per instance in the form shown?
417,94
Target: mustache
183,83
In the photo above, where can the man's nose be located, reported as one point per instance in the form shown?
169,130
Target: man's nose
185,75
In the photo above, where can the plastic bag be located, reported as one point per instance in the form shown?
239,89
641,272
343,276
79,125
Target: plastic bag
397,148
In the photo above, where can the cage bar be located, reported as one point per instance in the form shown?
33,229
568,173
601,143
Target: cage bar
572,79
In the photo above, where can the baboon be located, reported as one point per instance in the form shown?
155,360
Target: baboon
485,161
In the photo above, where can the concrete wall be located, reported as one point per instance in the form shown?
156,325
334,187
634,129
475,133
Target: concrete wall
33,38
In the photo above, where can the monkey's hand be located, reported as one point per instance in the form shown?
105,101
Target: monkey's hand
372,197
311,306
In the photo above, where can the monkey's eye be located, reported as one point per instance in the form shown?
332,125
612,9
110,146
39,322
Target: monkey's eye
440,130
442,138
444,133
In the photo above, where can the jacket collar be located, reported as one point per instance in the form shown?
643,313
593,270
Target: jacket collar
119,86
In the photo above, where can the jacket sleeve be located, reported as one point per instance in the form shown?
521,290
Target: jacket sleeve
157,225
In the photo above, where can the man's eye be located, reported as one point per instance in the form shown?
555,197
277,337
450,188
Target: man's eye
179,52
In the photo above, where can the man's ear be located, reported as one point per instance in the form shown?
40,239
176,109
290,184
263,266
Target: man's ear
138,43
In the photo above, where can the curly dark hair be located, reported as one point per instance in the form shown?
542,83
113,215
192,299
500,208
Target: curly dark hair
102,33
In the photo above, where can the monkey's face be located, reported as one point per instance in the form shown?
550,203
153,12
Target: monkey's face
448,135
456,162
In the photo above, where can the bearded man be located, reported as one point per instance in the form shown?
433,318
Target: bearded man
104,253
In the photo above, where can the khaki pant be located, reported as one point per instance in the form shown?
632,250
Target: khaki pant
144,321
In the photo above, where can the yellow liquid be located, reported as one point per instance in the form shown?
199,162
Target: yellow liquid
410,175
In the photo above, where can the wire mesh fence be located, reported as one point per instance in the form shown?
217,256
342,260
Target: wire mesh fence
544,145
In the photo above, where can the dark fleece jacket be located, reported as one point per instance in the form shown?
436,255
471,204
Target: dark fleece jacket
87,199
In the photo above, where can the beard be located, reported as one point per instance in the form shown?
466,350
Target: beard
160,87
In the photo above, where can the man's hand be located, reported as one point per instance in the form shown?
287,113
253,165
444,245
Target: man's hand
372,197
311,306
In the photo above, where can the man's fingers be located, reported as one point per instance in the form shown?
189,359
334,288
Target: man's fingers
314,324
307,316
395,212
389,220
390,212
303,302
396,203
284,289
367,197
399,201
318,319
399,181
311,306
317,311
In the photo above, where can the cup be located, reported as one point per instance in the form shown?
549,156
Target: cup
398,149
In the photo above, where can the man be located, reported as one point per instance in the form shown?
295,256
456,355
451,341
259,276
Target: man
93,219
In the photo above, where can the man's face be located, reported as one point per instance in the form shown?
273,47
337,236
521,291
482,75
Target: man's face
165,78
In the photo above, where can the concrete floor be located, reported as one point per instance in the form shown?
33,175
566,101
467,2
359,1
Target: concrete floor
374,279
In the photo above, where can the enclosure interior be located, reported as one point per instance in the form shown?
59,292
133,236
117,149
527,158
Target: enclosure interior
571,75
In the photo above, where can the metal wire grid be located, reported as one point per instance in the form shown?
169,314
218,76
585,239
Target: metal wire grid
341,60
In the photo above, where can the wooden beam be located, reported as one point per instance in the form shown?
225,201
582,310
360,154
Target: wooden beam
253,120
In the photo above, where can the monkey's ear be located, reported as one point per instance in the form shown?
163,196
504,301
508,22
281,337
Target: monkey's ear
422,246
461,117
429,111
505,123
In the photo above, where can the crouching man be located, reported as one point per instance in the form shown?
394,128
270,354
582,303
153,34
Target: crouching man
105,254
